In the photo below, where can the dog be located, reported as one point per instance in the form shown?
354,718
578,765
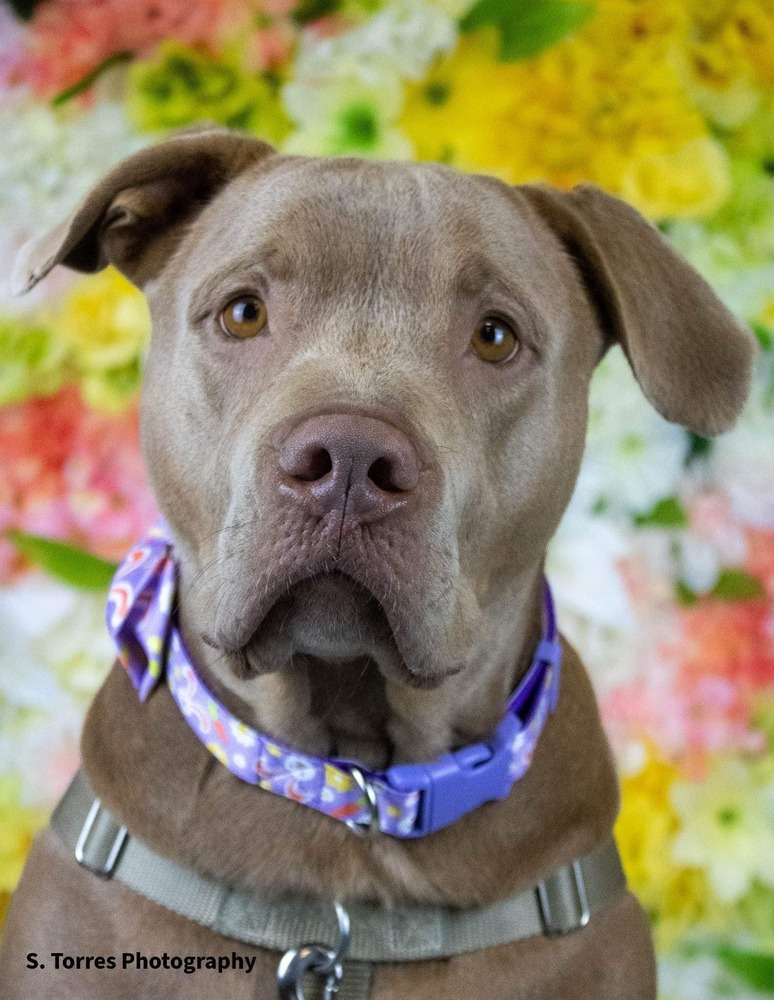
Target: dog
363,415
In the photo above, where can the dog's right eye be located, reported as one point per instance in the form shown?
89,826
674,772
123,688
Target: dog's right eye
244,317
495,341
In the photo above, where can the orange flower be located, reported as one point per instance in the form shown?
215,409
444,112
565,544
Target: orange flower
71,473
70,38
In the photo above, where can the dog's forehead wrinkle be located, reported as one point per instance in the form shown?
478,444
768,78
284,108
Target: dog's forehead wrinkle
396,217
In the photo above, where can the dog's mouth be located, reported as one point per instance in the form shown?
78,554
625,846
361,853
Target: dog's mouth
329,617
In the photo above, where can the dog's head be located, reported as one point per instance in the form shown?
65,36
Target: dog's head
365,399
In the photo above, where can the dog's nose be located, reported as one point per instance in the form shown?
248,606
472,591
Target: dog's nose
360,466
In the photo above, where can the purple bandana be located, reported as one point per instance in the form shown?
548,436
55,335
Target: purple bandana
411,799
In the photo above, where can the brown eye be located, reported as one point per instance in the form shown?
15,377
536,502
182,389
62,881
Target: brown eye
244,317
494,340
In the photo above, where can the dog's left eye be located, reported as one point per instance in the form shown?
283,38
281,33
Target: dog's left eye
244,317
495,340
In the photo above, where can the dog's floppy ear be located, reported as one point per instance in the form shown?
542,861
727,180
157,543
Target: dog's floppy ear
690,356
135,215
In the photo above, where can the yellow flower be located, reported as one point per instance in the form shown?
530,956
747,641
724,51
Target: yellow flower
694,180
32,360
732,39
675,897
727,828
112,390
103,321
181,86
607,106
18,825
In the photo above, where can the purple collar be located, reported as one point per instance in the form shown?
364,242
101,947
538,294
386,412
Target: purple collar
408,800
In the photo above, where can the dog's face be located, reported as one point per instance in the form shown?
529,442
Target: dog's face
365,400
364,410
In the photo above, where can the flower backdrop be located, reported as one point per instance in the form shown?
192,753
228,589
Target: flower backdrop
664,564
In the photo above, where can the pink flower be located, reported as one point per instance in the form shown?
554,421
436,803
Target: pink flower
712,520
11,48
760,557
71,473
141,23
686,718
70,38
329,26
731,640
278,8
269,47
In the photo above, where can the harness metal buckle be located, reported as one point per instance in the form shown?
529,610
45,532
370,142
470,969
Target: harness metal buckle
563,902
90,860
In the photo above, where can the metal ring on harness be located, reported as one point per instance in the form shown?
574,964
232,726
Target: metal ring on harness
316,959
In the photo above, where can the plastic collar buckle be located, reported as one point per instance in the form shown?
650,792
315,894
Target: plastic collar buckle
457,783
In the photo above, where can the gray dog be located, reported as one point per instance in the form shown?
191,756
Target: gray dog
363,415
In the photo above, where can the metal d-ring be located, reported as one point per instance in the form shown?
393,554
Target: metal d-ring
366,787
317,960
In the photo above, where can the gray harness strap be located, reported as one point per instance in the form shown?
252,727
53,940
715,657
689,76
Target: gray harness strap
562,903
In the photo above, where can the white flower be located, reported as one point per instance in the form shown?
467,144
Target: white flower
700,563
51,159
713,539
347,113
634,457
60,630
583,568
727,829
54,652
743,280
347,90
702,977
594,607
404,38
743,459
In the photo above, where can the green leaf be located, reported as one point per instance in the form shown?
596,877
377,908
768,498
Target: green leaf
731,585
312,10
736,585
699,448
527,26
82,85
667,513
764,335
74,566
685,597
754,967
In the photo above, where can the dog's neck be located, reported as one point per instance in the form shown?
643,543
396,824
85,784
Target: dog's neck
348,709
151,771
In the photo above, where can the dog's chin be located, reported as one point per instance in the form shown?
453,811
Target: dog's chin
327,618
